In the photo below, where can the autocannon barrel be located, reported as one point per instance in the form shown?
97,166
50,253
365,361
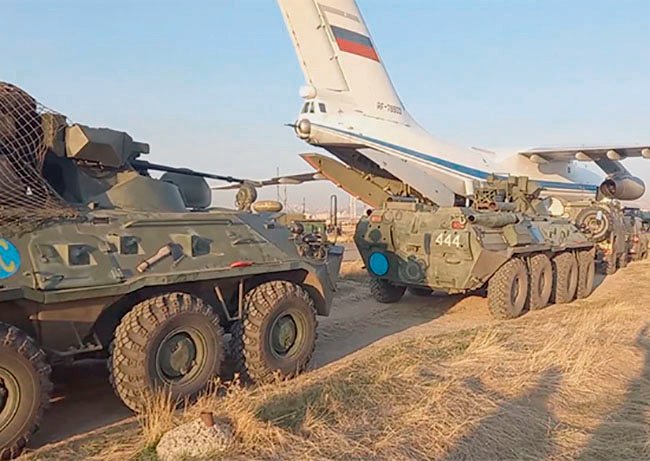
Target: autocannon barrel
493,219
502,206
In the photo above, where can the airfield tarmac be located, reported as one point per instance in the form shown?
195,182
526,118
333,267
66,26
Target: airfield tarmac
84,403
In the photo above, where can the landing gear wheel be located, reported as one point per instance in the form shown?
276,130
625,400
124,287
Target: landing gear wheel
541,281
586,273
172,343
25,388
508,290
420,291
566,278
385,292
277,333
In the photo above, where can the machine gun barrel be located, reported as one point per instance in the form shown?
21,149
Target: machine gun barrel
493,219
144,165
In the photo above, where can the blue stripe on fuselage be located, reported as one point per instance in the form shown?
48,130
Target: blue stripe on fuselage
469,171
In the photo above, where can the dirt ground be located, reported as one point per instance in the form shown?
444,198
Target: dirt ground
84,403
83,400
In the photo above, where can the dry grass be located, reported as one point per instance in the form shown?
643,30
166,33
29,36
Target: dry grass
570,382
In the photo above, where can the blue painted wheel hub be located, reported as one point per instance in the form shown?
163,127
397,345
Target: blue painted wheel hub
378,264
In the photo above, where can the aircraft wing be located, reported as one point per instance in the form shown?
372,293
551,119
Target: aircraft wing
585,154
287,179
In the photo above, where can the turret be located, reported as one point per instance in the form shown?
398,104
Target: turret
511,194
51,168
94,167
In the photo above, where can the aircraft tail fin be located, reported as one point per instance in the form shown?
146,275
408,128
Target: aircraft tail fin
339,59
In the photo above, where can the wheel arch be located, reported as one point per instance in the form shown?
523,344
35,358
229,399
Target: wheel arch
110,317
309,280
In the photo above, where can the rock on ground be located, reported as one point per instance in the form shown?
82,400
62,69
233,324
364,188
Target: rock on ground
194,440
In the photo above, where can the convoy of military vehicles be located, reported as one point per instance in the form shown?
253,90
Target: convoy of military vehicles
99,259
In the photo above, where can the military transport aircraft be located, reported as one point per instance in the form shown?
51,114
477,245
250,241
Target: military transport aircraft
352,110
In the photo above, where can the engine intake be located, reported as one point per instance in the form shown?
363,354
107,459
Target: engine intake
623,187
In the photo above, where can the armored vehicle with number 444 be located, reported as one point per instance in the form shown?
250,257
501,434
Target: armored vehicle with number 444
98,259
506,240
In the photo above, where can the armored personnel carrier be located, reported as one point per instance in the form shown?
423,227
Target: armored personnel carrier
100,259
603,221
506,240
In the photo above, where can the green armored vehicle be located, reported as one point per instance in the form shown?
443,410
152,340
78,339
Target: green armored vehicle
603,221
505,240
98,259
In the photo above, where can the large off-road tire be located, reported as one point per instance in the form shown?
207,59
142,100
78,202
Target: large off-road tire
420,291
277,333
385,292
586,273
171,343
508,290
541,281
565,268
25,388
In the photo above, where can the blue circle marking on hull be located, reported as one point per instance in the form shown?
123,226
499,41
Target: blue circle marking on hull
9,259
378,263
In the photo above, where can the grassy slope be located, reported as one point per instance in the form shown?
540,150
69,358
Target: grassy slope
569,382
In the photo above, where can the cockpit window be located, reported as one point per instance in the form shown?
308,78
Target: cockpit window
311,107
322,108
304,108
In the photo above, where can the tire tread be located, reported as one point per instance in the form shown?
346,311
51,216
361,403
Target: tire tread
18,341
499,288
126,365
247,333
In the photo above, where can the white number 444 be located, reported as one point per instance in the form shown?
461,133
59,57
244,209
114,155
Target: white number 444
446,239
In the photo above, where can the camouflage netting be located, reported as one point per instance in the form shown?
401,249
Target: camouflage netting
26,198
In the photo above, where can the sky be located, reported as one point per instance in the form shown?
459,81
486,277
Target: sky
210,84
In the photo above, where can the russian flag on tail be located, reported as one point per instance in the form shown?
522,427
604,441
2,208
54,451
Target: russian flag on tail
355,43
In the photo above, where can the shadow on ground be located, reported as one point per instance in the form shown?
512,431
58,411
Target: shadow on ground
626,431
83,401
519,428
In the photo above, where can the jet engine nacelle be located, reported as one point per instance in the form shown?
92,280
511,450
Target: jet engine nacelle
623,187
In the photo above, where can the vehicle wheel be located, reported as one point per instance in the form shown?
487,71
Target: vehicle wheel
566,278
25,388
508,290
171,342
586,273
588,220
385,292
420,291
277,333
541,281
